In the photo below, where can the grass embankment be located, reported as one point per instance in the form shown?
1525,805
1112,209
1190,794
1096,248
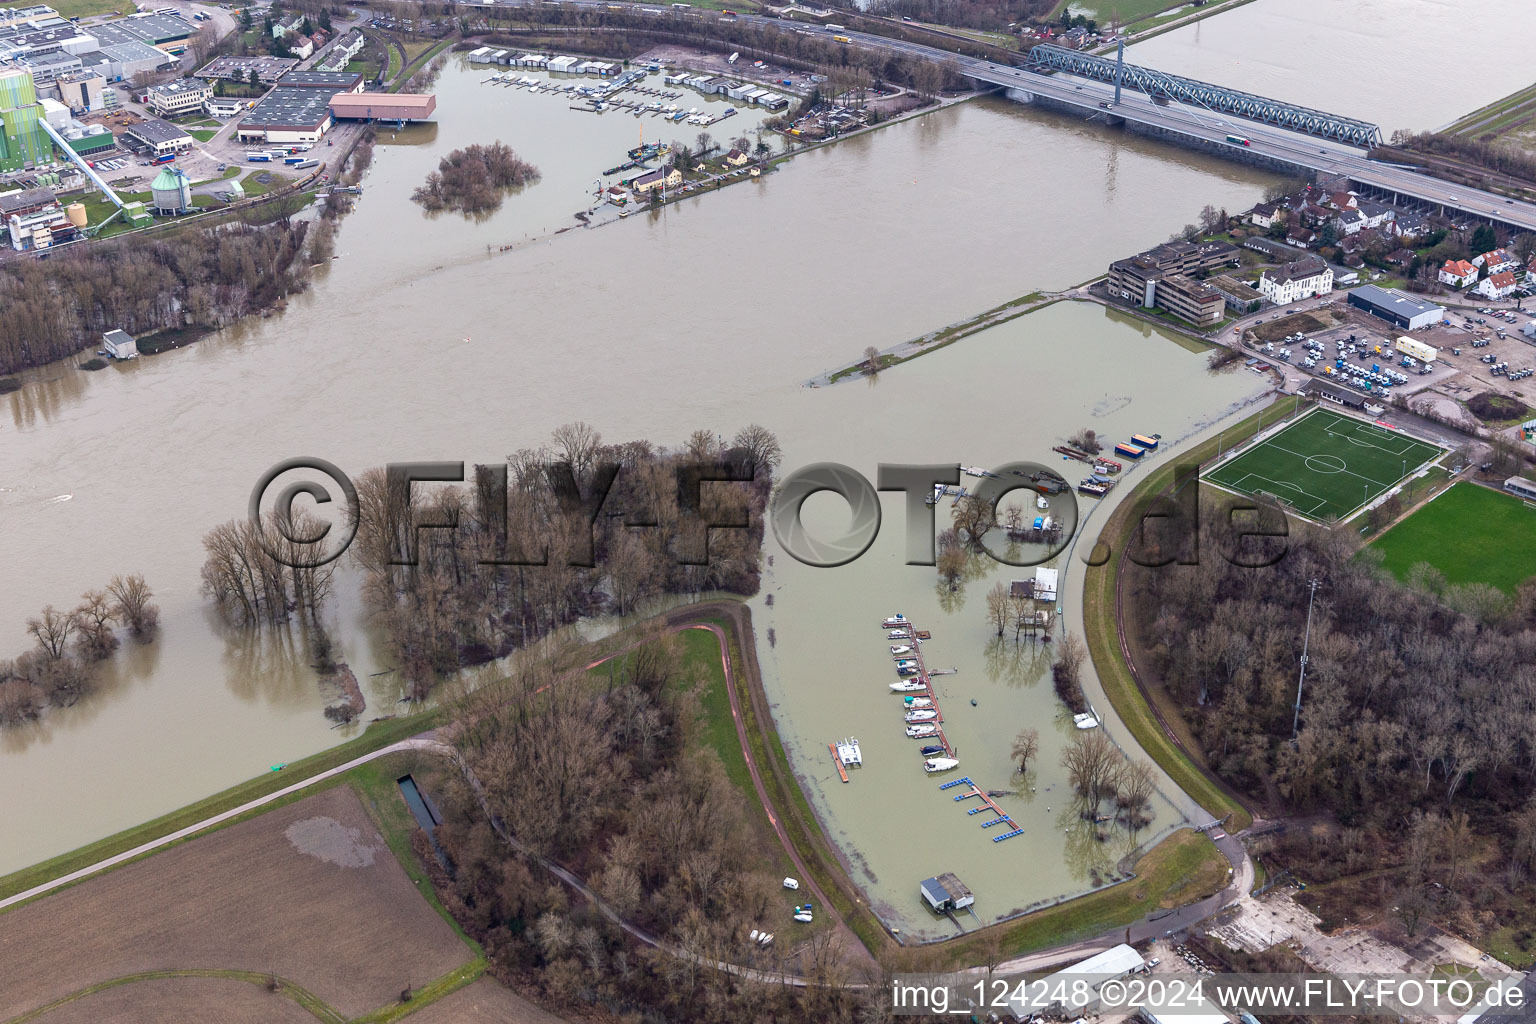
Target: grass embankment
1472,534
954,332
1181,869
1115,675
423,55
380,734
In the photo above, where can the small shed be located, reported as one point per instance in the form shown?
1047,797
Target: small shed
946,892
1021,589
120,345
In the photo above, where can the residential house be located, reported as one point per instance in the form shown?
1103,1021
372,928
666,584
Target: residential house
1530,270
1497,286
1376,214
1343,201
1267,215
1301,279
1402,259
1409,224
1457,273
1316,216
735,158
1301,237
661,178
1349,222
282,26
1495,261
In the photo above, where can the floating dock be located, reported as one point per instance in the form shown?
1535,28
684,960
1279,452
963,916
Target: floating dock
988,805
922,674
837,761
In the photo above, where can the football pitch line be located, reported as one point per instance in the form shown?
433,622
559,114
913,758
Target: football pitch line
1346,470
1275,488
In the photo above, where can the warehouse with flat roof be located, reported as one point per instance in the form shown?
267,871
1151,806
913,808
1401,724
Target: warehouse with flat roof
383,106
238,69
157,137
335,81
288,114
1396,308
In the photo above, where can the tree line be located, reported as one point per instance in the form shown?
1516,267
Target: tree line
608,774
68,645
573,528
1419,701
198,277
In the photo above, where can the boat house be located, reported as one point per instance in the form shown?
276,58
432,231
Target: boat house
946,892
120,345
1045,584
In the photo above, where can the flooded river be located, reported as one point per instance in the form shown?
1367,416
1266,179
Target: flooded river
1416,64
419,343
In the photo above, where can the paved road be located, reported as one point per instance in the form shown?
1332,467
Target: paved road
421,742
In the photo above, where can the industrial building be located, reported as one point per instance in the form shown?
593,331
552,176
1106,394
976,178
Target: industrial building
13,16
82,91
1113,963
238,69
226,106
47,67
1397,309
183,96
168,32
23,142
383,106
120,62
34,219
288,114
332,81
157,137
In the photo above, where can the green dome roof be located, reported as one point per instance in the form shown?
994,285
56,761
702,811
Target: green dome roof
168,179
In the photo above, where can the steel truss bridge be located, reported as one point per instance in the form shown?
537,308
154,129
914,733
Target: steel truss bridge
1158,84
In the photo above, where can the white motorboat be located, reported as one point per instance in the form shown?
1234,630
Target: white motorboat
1041,503
804,917
918,702
1085,721
922,715
910,686
906,663
940,764
906,670
849,753
898,634
901,649
917,732
896,621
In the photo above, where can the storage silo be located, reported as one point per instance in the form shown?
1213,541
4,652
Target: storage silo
76,214
171,191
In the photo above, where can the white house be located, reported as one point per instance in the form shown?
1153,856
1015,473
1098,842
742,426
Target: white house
1265,215
1495,261
1457,273
120,345
1301,279
1496,286
1349,221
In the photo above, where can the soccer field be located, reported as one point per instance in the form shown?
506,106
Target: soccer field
1325,465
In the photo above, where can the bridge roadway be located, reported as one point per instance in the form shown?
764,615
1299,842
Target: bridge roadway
1301,151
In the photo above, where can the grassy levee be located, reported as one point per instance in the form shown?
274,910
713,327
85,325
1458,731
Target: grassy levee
784,792
379,734
1099,622
1182,868
427,994
419,62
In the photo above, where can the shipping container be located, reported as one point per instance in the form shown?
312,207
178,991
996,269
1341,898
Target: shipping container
1130,451
1417,349
1144,440
260,158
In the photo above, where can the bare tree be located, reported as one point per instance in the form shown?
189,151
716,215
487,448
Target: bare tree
578,443
1091,761
94,618
133,606
761,443
1026,747
52,631
872,359
998,607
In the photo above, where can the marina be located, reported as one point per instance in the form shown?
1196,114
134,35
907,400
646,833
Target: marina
920,705
988,805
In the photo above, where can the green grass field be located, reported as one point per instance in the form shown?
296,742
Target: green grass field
1325,465
1471,534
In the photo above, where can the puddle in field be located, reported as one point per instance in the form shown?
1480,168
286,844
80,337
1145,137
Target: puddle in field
331,841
